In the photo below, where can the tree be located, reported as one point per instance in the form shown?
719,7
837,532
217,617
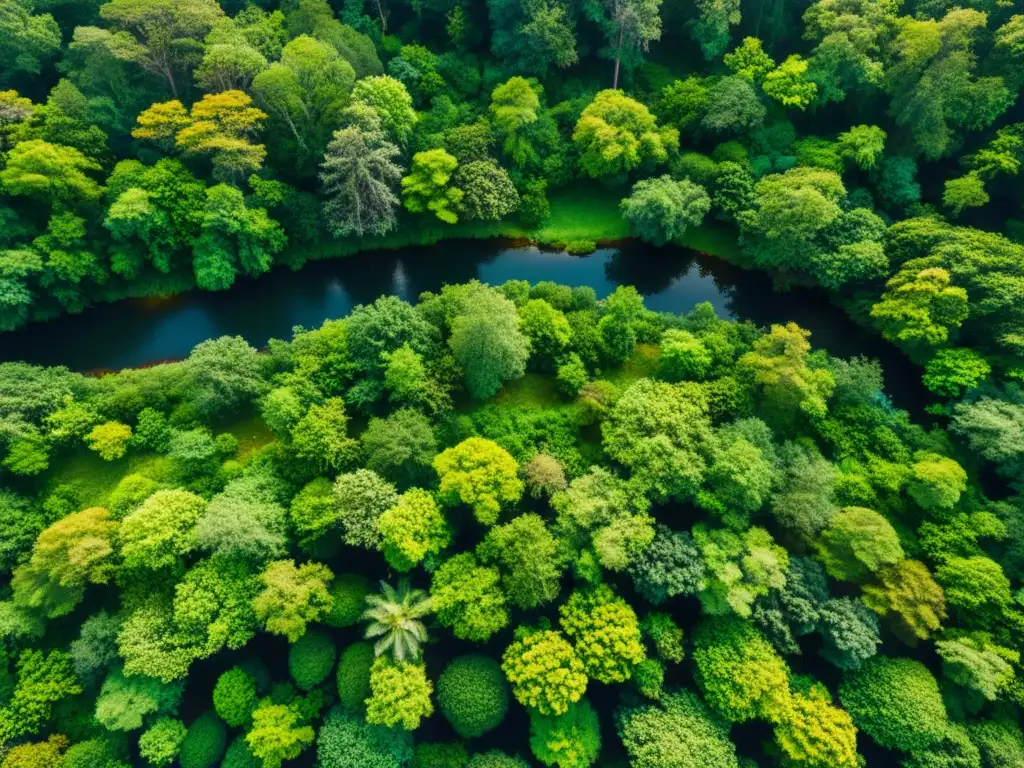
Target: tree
480,474
124,702
467,597
858,544
908,593
981,670
70,554
160,744
222,375
544,671
487,191
749,61
414,529
358,176
677,732
789,83
27,40
395,619
739,673
527,556
778,363
547,330
426,188
936,482
345,740
304,95
42,679
472,695
292,597
569,740
863,144
392,103
162,530
656,430
668,566
849,633
234,697
616,134
950,372
514,106
920,310
812,732
399,694
320,437
244,522
400,447
530,39
204,742
629,26
741,474
605,631
361,497
55,174
163,38
896,702
976,589
968,191
110,439
732,107
660,210
488,344
278,734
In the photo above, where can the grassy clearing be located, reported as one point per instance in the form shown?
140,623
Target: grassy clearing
586,211
252,434
643,363
534,390
93,479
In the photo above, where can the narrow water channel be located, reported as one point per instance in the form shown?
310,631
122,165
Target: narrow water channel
140,332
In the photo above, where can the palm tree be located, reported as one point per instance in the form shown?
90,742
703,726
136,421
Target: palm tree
394,618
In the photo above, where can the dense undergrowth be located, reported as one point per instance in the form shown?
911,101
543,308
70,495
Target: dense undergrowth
505,526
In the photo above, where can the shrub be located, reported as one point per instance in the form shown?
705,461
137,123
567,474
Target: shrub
204,743
353,675
580,247
473,695
348,599
311,659
234,697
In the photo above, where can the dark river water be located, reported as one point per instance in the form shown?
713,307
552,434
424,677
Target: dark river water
139,332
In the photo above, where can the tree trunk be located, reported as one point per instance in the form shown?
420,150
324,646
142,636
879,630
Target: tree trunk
618,58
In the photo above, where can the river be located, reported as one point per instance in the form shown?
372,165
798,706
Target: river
140,332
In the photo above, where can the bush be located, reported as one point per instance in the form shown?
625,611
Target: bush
580,247
896,702
311,659
348,596
472,695
234,697
204,743
353,675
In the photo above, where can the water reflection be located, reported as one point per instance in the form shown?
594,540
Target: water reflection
133,333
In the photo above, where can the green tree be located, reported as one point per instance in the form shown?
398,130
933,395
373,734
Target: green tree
936,482
968,191
472,695
616,134
660,210
778,363
920,310
55,174
163,38
896,702
863,144
359,176
514,106
606,633
677,732
468,598
72,553
426,188
278,733
360,497
858,544
908,594
399,694
292,597
110,439
569,740
812,732
545,673
789,83
488,344
526,554
27,40
400,447
162,530
160,744
414,529
950,372
488,193
480,474
749,61
395,620
234,697
204,742
392,103
629,27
